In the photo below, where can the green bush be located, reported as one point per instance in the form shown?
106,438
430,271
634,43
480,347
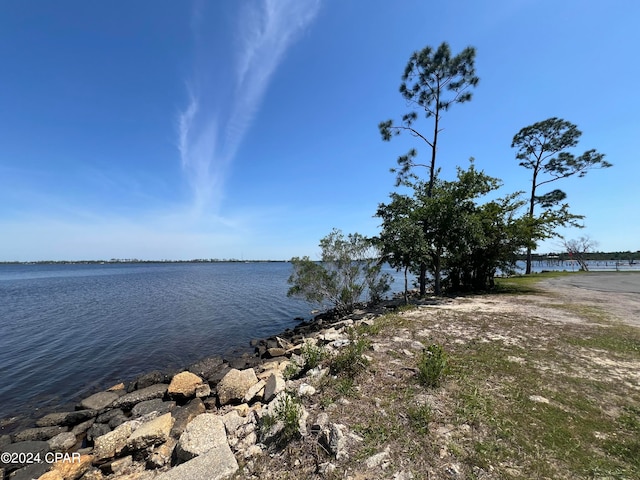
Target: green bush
433,365
419,418
288,410
351,361
312,355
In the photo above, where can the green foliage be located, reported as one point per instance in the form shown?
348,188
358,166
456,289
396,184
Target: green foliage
288,410
419,418
349,267
433,365
351,361
542,148
313,355
452,234
293,370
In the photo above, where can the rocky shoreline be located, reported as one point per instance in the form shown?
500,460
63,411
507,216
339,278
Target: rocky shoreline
196,423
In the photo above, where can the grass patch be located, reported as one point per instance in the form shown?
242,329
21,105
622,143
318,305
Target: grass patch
525,284
433,365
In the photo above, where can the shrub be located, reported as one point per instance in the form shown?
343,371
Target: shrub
288,410
312,355
432,366
351,361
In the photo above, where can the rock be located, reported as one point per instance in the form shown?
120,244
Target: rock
204,433
100,400
148,393
27,448
538,399
117,419
5,440
254,391
151,433
108,415
116,388
121,465
148,406
203,390
184,415
37,434
274,385
375,461
97,430
75,469
235,384
232,421
34,470
183,386
81,428
62,442
65,418
206,367
217,464
219,374
335,441
161,455
93,474
151,378
321,422
306,390
112,443
50,475
276,352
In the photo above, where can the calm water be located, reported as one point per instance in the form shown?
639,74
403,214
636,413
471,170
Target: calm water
69,330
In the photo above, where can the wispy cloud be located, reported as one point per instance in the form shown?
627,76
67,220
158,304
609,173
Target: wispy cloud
210,135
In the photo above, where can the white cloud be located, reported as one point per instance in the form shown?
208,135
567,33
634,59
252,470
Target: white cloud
209,136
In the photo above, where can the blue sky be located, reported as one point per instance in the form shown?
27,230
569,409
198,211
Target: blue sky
178,130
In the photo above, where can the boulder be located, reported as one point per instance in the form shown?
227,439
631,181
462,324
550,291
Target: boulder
184,415
161,455
151,433
112,443
235,384
38,434
108,415
62,442
217,464
66,418
254,392
28,448
206,367
204,433
81,428
274,385
34,470
334,439
73,470
148,393
100,400
148,406
151,378
97,430
184,385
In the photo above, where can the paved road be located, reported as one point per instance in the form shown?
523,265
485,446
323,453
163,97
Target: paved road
618,282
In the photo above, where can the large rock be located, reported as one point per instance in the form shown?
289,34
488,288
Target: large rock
99,400
97,430
62,442
235,385
275,384
155,405
151,433
184,415
38,434
66,418
111,444
184,385
207,367
27,448
73,470
149,393
204,433
151,378
218,463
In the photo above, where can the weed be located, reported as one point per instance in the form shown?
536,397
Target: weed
346,387
351,361
433,365
419,418
292,371
313,355
288,411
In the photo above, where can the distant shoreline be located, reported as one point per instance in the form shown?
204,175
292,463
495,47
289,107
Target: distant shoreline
130,261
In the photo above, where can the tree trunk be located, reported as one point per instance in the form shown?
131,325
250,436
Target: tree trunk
406,287
422,279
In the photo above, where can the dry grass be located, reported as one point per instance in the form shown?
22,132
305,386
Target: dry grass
537,388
